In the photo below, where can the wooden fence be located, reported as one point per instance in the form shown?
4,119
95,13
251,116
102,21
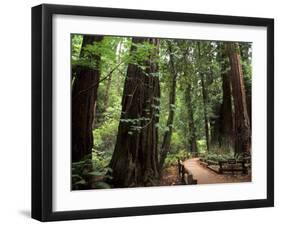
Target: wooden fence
184,174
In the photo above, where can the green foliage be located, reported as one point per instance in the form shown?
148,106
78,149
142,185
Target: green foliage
88,174
177,142
202,147
84,63
216,157
141,53
172,158
220,153
105,135
76,43
100,161
102,185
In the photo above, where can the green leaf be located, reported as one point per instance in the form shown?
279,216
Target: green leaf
108,177
102,185
109,169
80,182
76,176
97,174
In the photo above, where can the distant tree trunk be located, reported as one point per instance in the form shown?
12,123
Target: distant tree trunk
84,96
108,84
242,129
226,110
107,88
216,124
135,157
191,126
205,100
166,144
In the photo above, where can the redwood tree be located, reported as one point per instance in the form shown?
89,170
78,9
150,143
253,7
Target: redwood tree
135,158
242,131
191,126
204,95
226,111
172,101
226,127
84,96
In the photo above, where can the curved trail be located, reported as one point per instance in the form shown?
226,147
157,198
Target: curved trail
204,175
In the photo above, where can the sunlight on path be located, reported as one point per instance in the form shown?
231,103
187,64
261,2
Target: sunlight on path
206,176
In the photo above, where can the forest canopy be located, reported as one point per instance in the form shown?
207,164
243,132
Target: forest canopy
139,105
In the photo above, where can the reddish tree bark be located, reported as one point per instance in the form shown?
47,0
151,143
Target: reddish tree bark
166,144
135,157
222,121
191,125
242,131
84,96
205,100
226,111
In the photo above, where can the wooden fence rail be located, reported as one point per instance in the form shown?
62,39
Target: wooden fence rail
230,165
233,166
184,174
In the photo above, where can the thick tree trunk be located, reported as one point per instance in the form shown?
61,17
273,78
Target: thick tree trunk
135,158
242,134
84,96
215,125
191,127
226,111
244,51
166,144
249,104
205,100
222,123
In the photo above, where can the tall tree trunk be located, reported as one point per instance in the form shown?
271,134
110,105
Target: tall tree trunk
242,129
215,126
205,99
226,111
166,144
191,126
244,51
226,108
222,122
84,96
135,157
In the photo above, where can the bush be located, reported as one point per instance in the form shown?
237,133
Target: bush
202,146
219,156
90,173
172,158
105,136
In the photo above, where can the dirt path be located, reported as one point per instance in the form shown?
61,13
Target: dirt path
205,176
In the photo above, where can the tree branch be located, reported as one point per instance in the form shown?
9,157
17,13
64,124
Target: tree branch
101,80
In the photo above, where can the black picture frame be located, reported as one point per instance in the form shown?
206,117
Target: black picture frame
42,111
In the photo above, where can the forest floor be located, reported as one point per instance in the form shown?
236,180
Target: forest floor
204,175
170,176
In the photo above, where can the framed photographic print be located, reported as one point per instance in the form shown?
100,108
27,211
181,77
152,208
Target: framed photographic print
147,112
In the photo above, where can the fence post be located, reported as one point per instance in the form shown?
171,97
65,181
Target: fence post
220,167
244,168
182,173
179,167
